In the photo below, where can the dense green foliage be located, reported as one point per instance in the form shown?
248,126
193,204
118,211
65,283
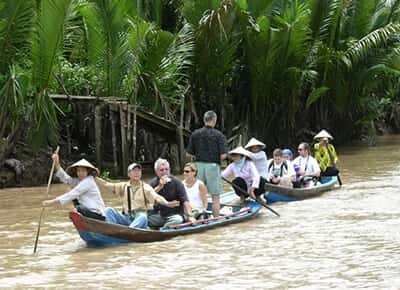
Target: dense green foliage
280,68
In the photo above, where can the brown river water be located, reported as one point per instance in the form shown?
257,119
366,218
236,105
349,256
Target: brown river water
348,238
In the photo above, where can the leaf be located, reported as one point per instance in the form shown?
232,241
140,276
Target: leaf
315,95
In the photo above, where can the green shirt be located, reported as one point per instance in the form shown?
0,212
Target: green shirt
326,157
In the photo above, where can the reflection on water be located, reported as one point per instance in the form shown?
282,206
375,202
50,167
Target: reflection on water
348,238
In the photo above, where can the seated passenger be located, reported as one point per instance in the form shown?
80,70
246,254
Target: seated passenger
258,156
195,190
246,175
309,168
170,188
280,171
287,154
137,198
325,154
85,195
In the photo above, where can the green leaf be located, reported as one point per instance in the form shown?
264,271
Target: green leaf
315,95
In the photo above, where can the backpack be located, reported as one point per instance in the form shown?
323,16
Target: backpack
283,166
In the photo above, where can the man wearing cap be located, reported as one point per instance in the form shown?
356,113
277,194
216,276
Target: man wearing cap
208,146
325,154
85,195
138,199
171,188
287,155
258,156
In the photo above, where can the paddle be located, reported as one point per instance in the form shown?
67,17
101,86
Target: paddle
47,196
339,180
245,193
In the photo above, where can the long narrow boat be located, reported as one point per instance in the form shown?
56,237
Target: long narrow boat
276,193
96,233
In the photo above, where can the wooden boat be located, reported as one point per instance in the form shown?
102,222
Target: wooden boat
96,233
276,193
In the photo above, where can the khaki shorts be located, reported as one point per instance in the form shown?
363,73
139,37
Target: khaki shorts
210,174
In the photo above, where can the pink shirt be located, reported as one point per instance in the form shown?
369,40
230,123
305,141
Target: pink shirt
248,172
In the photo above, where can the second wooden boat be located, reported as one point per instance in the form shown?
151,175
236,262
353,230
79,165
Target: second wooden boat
276,193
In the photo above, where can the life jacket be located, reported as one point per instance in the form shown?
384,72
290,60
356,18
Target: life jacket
283,166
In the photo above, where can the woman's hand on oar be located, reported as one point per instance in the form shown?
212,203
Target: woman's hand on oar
47,196
245,193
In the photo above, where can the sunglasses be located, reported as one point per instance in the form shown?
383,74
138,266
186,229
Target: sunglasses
186,171
300,149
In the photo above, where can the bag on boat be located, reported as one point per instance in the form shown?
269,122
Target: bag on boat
87,212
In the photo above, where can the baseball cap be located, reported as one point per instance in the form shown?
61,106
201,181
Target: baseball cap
133,166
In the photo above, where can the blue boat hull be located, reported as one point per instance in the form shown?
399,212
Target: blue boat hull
99,233
279,194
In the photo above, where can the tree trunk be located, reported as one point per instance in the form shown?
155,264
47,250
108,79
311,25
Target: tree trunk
134,134
181,145
114,141
122,114
98,132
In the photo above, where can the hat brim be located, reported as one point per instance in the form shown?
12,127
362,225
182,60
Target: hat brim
71,170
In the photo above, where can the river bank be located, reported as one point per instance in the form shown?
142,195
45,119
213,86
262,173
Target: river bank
26,168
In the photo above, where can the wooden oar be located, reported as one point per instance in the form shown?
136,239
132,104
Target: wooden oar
47,196
339,180
245,193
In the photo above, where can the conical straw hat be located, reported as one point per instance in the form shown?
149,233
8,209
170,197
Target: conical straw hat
254,142
241,151
323,134
71,170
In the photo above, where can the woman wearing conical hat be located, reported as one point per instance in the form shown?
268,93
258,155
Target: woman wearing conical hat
246,176
85,194
258,156
325,154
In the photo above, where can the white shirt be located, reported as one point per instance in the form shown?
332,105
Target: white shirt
260,161
275,169
85,190
194,194
307,164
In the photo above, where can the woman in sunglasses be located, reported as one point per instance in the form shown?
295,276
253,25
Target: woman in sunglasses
196,190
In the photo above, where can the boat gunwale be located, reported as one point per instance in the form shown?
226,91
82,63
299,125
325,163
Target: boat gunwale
302,193
116,231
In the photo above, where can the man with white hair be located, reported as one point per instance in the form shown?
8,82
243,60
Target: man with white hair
208,146
172,189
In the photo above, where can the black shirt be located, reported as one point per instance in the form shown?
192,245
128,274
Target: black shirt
173,190
207,144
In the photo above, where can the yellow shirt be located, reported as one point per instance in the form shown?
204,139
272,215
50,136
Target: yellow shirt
326,157
142,196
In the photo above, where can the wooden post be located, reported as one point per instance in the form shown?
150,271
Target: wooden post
129,126
181,145
114,140
98,131
134,133
124,150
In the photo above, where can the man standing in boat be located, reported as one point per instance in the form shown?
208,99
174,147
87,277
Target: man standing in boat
208,146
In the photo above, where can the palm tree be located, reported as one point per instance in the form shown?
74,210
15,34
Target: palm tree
30,41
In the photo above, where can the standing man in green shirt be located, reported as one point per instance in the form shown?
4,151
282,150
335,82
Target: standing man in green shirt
208,146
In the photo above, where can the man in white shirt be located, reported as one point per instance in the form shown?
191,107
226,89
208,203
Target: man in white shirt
280,171
309,168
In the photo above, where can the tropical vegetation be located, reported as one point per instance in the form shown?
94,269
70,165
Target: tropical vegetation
281,69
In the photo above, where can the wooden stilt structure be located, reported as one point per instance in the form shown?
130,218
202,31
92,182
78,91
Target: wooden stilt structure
125,133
